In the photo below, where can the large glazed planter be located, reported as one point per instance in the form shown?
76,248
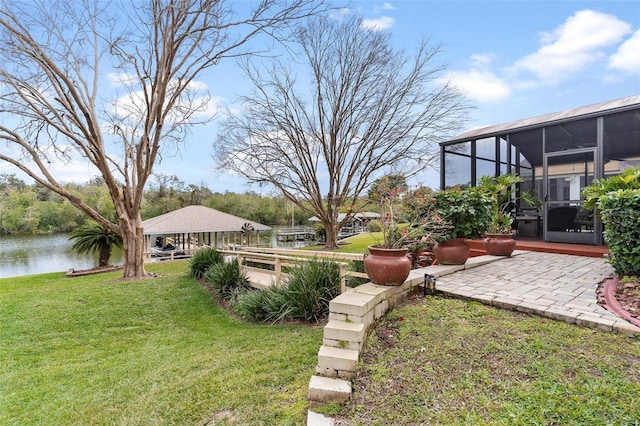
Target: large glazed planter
499,244
451,252
387,266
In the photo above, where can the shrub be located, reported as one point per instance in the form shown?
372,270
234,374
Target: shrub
202,260
356,266
263,305
309,289
227,278
305,295
374,226
628,179
320,232
467,211
620,212
251,306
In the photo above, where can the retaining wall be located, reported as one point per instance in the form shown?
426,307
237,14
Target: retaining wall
352,315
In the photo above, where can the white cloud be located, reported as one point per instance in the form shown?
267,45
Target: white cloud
627,58
378,24
340,14
482,59
195,100
385,6
573,45
481,85
119,79
74,169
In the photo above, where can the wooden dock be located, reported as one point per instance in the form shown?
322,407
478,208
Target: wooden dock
305,234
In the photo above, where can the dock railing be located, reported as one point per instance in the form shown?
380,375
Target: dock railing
282,259
176,254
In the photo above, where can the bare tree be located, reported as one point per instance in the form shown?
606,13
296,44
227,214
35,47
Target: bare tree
58,59
367,110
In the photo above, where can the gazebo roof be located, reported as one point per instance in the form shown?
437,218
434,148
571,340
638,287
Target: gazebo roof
194,219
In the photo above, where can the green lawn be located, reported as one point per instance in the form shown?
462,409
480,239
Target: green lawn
96,350
438,361
356,244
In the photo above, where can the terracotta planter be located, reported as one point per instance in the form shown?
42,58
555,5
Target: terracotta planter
451,252
499,244
387,266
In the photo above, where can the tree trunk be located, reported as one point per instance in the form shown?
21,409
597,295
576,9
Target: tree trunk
133,252
104,255
331,232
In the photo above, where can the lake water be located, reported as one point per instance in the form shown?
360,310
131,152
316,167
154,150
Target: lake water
37,254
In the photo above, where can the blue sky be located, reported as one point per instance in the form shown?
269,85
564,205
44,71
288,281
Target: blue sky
514,59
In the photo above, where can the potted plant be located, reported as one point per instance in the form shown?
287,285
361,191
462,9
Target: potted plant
426,226
499,239
387,262
468,211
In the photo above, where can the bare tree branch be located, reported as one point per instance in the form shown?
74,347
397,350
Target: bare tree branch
56,96
366,110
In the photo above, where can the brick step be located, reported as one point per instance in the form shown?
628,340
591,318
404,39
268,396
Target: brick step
337,362
317,419
327,389
344,334
357,306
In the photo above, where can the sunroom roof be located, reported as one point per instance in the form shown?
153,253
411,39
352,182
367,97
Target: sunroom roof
616,105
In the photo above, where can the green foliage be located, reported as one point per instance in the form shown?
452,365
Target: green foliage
32,209
252,305
388,189
96,238
414,202
227,278
374,226
256,207
356,266
310,288
202,260
320,231
620,212
467,211
387,193
305,295
628,179
501,190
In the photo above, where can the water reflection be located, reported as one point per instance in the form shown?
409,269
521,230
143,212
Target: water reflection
37,254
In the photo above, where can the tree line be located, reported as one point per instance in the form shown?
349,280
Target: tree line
33,209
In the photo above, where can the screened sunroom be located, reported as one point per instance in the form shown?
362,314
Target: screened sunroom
557,154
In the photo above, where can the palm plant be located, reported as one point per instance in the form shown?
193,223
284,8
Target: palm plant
628,179
96,238
501,190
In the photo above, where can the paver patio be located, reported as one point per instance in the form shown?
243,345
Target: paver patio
557,286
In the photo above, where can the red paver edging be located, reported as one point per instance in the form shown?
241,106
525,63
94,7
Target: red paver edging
611,303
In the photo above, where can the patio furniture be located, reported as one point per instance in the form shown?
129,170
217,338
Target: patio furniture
561,219
584,220
528,223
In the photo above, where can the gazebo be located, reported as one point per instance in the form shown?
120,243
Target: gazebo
557,154
197,226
